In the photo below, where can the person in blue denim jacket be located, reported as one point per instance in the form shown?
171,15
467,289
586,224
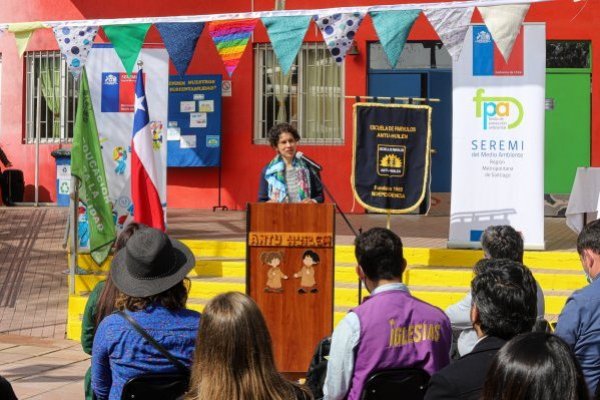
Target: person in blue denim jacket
579,321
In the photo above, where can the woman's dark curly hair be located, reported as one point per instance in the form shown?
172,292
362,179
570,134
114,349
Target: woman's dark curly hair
278,129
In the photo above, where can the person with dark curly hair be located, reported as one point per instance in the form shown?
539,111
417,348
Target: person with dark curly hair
288,178
504,305
150,274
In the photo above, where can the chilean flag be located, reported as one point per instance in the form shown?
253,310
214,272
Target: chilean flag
147,208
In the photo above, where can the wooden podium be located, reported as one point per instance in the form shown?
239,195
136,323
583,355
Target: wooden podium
289,273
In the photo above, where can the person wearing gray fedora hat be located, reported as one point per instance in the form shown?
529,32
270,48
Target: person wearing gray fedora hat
150,273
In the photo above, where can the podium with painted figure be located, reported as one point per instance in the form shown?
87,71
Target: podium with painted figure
289,273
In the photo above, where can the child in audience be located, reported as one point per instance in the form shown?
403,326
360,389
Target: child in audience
535,366
100,304
234,358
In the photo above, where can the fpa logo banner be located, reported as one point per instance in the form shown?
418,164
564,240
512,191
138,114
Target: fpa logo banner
498,137
498,112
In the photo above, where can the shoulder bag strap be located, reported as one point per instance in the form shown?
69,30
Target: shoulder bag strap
154,343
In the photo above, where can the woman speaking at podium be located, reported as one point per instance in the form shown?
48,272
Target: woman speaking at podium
288,178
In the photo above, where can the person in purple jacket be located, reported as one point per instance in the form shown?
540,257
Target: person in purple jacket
390,329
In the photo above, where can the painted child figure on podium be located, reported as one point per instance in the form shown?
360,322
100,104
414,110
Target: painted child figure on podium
275,274
307,272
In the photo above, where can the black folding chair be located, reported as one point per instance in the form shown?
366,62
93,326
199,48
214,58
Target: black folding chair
393,384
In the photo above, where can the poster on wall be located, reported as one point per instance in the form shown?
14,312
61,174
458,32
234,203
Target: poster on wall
113,93
498,138
194,127
391,156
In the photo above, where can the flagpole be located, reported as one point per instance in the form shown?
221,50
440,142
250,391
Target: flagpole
73,216
37,141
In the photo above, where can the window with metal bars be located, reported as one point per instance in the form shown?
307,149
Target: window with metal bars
310,97
51,98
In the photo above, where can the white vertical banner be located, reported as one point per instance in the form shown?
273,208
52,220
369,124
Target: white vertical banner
498,137
112,93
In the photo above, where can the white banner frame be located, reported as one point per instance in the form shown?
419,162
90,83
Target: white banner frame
503,185
115,128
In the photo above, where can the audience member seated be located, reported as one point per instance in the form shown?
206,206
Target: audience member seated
100,304
234,358
535,366
499,241
579,322
390,329
504,305
149,273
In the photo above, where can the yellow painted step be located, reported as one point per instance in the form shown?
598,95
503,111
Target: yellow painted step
460,277
236,251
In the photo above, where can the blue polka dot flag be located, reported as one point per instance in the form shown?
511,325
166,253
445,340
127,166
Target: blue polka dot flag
75,43
393,27
338,32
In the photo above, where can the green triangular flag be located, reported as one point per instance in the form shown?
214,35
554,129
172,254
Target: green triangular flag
23,32
393,27
87,165
286,34
127,40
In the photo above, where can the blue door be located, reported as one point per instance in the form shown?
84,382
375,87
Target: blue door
429,83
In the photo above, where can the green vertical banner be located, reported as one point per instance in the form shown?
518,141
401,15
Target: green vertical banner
391,156
87,165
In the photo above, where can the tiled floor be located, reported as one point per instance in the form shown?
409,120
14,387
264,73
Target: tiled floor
43,368
33,289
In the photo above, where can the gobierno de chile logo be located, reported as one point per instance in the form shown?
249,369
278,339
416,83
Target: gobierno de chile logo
498,112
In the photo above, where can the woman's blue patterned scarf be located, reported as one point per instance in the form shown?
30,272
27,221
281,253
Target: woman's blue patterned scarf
275,176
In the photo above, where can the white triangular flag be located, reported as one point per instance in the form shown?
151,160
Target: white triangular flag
451,25
504,23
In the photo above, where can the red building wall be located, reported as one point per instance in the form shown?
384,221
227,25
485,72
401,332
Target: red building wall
241,160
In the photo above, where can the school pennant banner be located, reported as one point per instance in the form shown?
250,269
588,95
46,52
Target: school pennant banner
451,25
127,41
504,23
231,38
286,35
392,28
180,39
23,32
391,156
75,44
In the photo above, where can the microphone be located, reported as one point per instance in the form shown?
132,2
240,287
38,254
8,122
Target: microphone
307,160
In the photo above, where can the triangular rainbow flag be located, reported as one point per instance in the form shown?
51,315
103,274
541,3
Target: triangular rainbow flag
230,38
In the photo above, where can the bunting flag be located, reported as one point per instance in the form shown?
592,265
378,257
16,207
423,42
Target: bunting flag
23,32
180,39
286,35
504,23
127,40
338,32
88,166
75,43
147,208
451,25
230,38
393,27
